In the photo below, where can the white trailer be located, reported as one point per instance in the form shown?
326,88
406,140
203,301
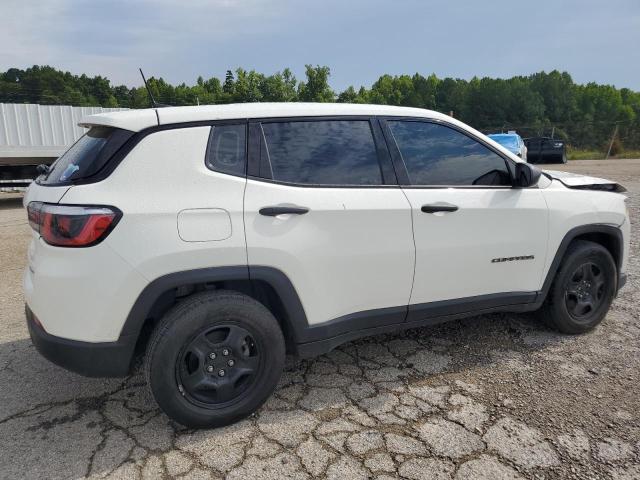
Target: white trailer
32,134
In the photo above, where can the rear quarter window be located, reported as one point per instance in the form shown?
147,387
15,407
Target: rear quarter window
87,156
226,151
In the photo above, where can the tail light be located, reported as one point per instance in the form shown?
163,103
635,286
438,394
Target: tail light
72,225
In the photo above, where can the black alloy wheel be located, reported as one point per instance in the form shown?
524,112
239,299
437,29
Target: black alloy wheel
214,358
582,289
218,365
585,291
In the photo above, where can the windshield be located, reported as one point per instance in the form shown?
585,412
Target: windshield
509,141
85,157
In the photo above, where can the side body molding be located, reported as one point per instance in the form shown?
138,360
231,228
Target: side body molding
317,339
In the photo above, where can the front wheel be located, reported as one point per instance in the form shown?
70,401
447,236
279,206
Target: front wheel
214,359
583,289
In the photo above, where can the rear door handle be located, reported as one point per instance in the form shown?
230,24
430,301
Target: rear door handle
275,211
433,208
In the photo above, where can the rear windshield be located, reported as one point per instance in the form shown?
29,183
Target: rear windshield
87,156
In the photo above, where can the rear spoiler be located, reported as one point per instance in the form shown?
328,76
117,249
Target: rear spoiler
132,120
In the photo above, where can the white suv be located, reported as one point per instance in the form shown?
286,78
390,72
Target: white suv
221,237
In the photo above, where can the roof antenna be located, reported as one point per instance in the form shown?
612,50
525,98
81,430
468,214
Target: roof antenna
154,104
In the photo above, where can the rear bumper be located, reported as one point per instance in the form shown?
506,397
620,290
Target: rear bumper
105,359
84,294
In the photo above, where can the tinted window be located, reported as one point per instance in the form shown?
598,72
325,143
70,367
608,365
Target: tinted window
439,155
87,156
327,152
226,150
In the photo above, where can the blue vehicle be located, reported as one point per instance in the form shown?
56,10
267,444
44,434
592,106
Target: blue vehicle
512,142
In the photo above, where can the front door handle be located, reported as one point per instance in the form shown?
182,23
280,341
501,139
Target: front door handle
433,208
275,211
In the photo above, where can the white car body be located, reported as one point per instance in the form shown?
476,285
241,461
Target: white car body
363,258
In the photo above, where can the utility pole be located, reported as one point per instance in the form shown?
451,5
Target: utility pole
613,137
553,131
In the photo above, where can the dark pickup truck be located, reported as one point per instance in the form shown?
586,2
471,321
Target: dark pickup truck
545,150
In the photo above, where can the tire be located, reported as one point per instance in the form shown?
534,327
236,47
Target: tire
214,359
582,290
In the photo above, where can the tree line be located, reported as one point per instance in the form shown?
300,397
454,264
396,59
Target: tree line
543,103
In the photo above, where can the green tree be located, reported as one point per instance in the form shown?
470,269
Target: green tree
279,87
585,115
316,88
228,87
247,86
351,96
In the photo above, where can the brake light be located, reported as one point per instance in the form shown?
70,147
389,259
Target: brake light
72,225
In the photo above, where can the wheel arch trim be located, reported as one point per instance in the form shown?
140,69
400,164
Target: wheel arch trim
294,312
609,230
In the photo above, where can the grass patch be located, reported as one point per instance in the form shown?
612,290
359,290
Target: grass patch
599,154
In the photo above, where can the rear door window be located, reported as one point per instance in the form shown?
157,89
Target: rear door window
87,156
322,152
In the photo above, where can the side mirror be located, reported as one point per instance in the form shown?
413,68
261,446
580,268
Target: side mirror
527,175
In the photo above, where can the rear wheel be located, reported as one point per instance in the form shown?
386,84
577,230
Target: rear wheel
214,359
582,290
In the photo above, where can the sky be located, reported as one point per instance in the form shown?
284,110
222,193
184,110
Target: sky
359,40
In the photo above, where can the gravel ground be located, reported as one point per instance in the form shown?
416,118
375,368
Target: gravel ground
493,397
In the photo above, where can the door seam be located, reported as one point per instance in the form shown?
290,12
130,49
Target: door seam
415,252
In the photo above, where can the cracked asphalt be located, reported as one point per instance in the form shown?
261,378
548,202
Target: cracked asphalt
492,397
